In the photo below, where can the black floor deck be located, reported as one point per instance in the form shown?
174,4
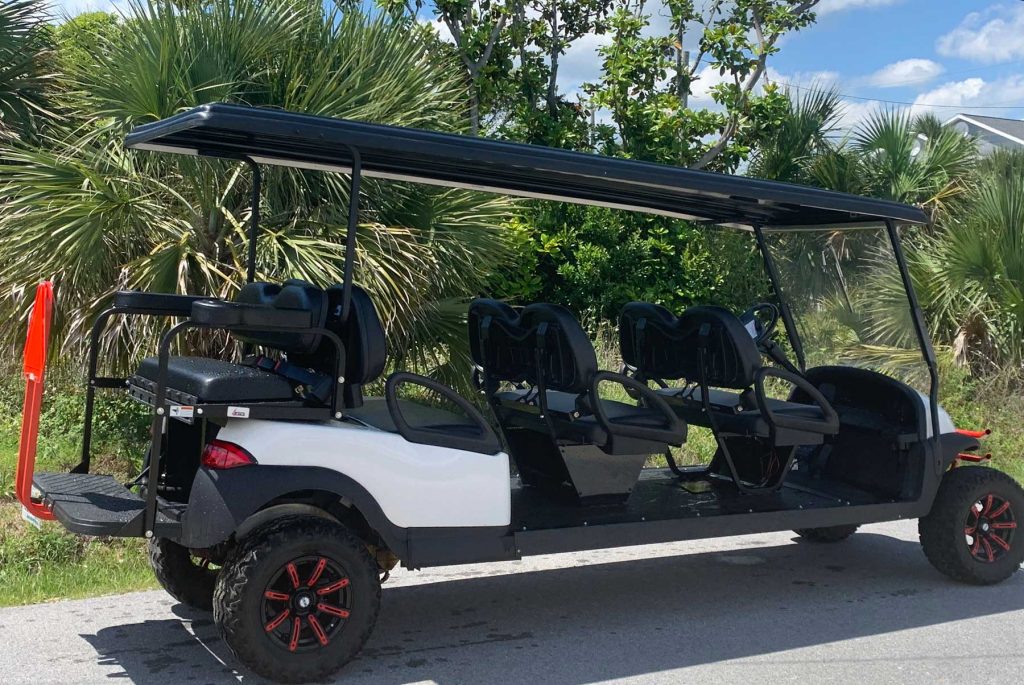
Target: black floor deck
659,495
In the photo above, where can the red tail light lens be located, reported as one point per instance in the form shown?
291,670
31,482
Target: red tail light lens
220,454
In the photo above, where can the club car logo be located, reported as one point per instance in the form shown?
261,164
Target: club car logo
238,412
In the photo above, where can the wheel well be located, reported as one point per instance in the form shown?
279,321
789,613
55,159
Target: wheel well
323,503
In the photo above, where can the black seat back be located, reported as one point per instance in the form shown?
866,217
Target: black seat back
661,345
543,344
568,358
363,335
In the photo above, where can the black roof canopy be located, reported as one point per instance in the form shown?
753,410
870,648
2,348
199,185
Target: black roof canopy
270,136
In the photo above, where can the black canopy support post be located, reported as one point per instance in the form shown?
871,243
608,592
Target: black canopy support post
350,235
784,310
254,217
923,339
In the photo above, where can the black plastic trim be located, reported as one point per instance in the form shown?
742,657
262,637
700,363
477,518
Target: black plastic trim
486,443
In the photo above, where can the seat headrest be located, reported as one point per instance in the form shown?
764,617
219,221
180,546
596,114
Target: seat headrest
661,345
292,294
505,344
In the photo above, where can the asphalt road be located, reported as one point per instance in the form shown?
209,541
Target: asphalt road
754,609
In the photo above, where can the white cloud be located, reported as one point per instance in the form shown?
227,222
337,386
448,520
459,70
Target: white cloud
995,34
970,94
905,72
856,111
830,6
581,62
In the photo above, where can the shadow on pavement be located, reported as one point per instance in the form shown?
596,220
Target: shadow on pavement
583,624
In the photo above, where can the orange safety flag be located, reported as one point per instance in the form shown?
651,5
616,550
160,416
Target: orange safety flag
35,370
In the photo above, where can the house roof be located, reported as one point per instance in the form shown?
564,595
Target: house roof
305,141
1010,129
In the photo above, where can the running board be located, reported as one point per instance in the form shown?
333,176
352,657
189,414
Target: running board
92,504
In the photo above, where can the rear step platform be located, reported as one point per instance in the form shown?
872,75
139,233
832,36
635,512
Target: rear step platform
93,504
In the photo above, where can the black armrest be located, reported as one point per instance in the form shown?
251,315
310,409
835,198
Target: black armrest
486,442
157,303
674,431
238,315
829,426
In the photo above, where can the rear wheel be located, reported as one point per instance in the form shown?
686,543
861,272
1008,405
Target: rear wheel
830,534
297,599
187,578
971,532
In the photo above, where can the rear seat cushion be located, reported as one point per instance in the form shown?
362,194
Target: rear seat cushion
213,380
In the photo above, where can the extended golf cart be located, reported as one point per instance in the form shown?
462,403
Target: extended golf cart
276,494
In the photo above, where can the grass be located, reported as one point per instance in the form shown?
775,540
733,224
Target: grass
49,564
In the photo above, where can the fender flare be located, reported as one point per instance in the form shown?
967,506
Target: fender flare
222,500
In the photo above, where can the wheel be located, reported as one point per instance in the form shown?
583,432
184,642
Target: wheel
188,579
297,599
970,533
830,534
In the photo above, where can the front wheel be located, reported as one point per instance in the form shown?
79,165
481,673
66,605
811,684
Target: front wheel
971,532
297,599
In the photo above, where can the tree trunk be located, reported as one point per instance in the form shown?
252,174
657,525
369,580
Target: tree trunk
474,106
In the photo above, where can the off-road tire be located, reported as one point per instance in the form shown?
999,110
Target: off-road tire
830,534
180,575
942,531
250,567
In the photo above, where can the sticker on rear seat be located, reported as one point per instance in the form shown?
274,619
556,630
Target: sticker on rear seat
183,411
238,412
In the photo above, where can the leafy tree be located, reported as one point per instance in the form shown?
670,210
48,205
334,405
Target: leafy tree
24,67
99,218
79,38
479,31
651,112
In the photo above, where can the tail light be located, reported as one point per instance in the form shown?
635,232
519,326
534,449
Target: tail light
220,454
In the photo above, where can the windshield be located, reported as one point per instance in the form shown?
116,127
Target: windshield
848,301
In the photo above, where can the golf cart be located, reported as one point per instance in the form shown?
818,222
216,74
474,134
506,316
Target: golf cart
278,495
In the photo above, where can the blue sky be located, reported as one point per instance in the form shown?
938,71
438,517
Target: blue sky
944,56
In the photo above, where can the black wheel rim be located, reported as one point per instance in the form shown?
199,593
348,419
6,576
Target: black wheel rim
990,528
307,603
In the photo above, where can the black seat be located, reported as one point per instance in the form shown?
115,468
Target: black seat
711,350
309,353
193,380
307,372
556,424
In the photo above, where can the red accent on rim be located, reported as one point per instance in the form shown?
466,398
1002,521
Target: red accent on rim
989,528
333,587
320,565
281,618
317,630
277,596
296,630
34,369
332,610
293,574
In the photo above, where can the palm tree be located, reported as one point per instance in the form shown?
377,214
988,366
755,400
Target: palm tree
969,276
98,218
23,58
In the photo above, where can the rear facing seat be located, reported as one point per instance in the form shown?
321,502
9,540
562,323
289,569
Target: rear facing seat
197,380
